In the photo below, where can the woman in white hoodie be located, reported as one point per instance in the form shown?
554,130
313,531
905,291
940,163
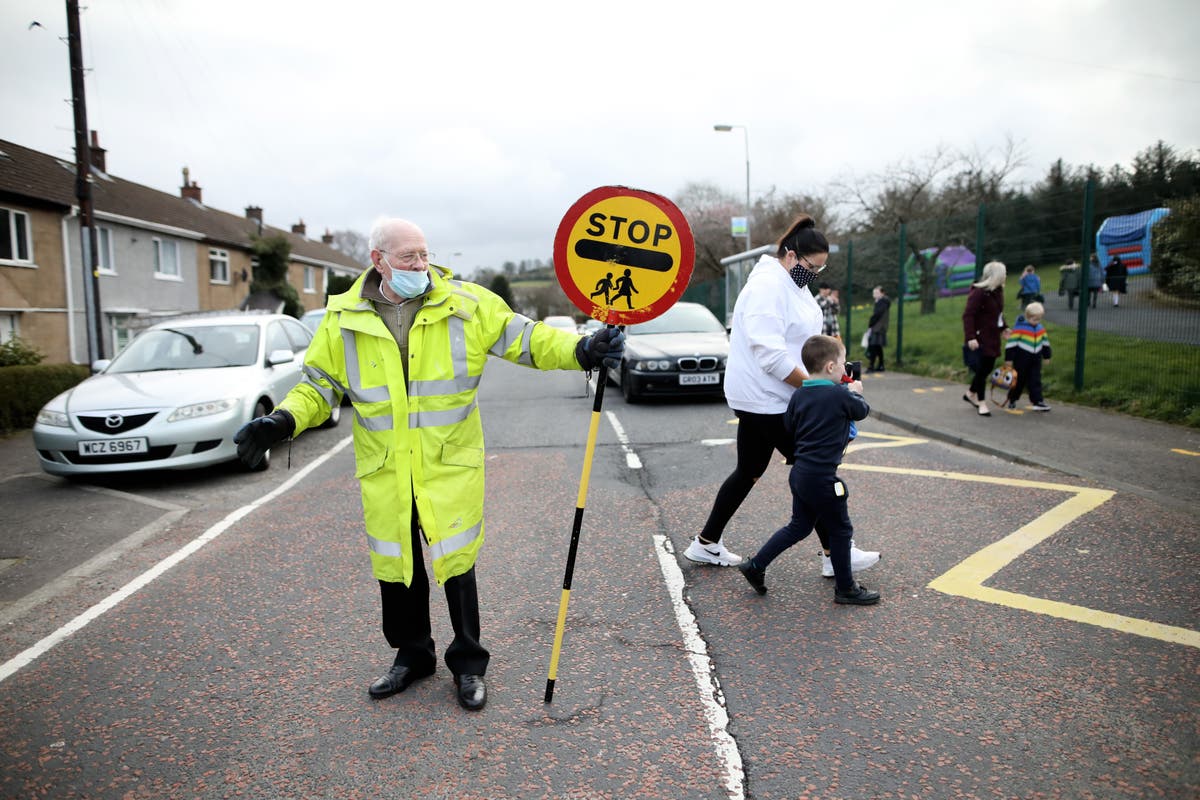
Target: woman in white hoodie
773,317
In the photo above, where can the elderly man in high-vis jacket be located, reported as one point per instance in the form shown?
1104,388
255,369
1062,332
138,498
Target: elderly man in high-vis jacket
407,344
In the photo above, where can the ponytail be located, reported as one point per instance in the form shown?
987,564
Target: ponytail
803,238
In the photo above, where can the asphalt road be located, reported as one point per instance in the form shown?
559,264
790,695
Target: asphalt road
1037,635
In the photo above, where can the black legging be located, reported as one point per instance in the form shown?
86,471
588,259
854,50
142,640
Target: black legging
982,373
758,437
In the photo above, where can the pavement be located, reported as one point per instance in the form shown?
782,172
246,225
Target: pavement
1154,459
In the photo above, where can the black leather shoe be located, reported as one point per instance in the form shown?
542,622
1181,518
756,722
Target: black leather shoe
396,680
472,691
753,574
856,595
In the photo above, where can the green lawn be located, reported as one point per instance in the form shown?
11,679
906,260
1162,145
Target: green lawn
1156,380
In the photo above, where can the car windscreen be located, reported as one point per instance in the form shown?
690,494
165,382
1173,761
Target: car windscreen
192,347
679,319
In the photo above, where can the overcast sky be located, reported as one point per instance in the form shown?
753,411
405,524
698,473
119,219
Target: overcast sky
484,121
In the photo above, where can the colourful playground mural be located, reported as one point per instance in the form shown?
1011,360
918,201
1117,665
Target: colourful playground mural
955,272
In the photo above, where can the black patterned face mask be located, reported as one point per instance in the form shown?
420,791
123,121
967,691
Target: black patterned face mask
801,276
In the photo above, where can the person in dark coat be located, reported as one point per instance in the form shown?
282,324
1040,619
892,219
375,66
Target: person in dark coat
983,327
1095,278
877,329
1068,282
1114,275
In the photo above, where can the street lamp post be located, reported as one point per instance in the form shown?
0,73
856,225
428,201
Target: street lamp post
746,140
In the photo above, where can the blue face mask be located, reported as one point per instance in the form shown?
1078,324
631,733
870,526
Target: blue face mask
408,283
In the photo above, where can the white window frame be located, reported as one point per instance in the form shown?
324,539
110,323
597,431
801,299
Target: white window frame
10,327
310,280
119,331
18,218
104,251
218,257
161,247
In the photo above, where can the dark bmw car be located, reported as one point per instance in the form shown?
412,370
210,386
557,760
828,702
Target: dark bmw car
680,352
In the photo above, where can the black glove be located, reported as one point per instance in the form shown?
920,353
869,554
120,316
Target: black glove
260,434
606,346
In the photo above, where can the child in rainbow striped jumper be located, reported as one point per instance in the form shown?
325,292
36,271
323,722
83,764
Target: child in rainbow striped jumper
1028,345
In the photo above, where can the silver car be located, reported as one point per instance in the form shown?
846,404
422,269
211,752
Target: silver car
174,397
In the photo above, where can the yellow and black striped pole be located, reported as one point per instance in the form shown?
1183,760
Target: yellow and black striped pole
575,528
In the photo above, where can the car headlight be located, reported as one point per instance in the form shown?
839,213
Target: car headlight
56,418
202,409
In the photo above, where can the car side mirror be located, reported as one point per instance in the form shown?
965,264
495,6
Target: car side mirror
276,357
100,364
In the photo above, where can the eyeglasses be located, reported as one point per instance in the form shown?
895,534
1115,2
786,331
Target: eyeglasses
412,257
815,269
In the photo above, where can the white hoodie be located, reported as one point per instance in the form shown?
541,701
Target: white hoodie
772,320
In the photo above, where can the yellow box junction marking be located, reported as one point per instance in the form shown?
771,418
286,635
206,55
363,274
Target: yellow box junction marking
966,579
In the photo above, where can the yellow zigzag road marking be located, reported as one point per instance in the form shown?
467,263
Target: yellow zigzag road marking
966,578
889,441
1184,452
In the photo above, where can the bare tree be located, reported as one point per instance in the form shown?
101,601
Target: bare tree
936,195
353,244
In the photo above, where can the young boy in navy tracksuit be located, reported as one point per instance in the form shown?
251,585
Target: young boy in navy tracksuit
819,418
1028,345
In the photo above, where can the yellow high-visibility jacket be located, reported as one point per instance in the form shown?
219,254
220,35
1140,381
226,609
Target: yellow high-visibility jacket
423,437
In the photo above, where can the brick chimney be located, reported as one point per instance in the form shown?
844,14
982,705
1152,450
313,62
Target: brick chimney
97,153
299,228
327,237
190,189
254,213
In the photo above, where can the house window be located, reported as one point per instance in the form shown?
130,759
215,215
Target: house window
8,327
218,266
166,259
104,251
310,280
14,236
119,329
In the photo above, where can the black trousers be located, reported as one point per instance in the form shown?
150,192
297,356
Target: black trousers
979,382
817,501
759,436
1029,374
406,624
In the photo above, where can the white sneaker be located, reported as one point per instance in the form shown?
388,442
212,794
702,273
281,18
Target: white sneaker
714,553
859,560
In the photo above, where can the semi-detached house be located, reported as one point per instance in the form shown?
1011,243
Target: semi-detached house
158,254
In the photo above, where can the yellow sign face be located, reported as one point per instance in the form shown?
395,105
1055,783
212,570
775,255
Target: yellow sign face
623,255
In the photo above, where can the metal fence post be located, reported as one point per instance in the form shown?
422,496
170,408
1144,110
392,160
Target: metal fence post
1084,273
979,240
900,292
849,338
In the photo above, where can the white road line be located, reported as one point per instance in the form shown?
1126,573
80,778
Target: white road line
631,458
31,654
711,696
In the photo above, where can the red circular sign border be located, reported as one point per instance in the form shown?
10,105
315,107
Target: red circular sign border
687,256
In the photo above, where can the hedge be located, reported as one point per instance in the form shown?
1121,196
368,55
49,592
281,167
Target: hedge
25,389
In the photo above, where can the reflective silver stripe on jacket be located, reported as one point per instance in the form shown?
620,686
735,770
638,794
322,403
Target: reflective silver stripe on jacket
435,419
384,548
330,396
355,389
458,541
519,327
461,382
434,388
